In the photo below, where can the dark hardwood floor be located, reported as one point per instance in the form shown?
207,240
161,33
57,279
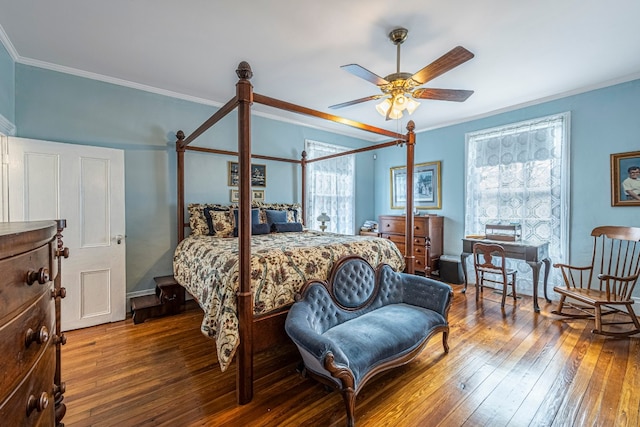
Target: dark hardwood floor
505,368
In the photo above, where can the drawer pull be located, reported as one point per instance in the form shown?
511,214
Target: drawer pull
37,403
62,292
40,337
41,276
60,339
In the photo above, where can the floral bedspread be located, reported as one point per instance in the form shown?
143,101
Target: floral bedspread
281,263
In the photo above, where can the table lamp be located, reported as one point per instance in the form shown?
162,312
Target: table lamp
323,217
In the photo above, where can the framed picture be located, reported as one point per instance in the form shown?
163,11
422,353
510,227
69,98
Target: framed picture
426,186
258,174
256,195
625,179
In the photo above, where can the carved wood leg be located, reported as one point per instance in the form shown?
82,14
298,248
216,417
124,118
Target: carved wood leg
445,341
505,289
349,398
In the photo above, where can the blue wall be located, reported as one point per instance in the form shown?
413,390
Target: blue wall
603,122
64,108
7,88
60,107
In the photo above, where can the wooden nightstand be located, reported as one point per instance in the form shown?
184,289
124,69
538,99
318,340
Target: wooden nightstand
369,233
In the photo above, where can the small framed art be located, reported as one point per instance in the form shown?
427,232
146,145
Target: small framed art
258,174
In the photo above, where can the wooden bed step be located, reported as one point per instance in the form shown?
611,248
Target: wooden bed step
168,299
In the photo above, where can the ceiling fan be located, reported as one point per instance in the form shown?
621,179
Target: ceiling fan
400,89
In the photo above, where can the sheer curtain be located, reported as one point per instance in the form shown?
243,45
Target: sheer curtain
520,174
330,187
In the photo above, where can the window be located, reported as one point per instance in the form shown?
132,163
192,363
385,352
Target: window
519,174
330,187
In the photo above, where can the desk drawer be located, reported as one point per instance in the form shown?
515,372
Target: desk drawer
38,385
16,291
17,356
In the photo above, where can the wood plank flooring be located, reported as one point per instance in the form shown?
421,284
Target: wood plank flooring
505,368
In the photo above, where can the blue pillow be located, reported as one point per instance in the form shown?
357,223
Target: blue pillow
255,216
261,228
275,216
255,219
286,227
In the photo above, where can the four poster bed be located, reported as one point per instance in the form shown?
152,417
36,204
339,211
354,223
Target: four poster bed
246,285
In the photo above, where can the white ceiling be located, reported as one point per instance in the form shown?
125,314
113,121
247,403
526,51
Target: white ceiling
525,51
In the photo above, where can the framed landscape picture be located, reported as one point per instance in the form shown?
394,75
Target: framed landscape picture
258,175
625,179
426,186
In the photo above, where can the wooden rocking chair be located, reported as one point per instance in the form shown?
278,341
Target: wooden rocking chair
604,287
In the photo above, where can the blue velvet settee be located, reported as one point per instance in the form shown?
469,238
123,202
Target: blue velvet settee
364,321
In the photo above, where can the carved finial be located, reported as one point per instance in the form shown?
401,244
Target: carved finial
411,126
304,155
180,135
244,71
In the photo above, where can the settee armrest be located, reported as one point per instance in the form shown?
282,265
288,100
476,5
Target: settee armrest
427,293
308,320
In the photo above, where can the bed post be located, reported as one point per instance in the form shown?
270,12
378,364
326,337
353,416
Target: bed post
303,163
244,355
411,142
180,152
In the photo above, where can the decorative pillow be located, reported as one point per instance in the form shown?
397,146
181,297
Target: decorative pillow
286,227
261,228
293,210
197,219
275,216
219,222
255,220
255,217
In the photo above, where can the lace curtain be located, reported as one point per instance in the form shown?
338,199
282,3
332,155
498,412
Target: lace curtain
520,174
330,188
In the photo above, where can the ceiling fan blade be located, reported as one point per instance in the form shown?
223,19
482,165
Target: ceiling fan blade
363,73
356,101
442,94
456,56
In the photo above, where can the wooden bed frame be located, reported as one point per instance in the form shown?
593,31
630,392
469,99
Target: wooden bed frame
269,329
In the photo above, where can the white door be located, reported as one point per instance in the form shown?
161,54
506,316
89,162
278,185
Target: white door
85,186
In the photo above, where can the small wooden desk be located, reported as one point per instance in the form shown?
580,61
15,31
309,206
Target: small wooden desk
534,254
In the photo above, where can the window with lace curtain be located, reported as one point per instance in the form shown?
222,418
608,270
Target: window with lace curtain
519,173
330,188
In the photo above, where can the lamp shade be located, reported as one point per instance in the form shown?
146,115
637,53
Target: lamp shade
323,217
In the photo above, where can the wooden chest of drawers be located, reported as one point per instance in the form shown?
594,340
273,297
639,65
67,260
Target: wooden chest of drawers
427,238
28,323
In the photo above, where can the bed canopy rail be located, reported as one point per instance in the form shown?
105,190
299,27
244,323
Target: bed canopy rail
242,101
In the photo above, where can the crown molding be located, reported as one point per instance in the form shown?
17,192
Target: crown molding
4,39
6,127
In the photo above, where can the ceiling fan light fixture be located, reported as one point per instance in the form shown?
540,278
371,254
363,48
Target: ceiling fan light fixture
395,114
411,105
384,106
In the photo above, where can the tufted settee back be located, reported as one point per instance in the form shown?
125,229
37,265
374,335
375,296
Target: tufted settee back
353,289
